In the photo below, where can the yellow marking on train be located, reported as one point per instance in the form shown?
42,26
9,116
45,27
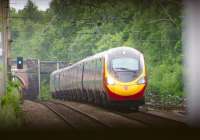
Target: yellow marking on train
125,88
119,90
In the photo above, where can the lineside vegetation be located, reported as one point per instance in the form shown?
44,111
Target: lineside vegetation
10,107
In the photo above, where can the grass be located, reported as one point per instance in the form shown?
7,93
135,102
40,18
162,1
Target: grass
10,109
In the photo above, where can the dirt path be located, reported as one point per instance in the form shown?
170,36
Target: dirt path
37,116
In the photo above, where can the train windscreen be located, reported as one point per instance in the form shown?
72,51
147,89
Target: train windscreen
125,67
125,64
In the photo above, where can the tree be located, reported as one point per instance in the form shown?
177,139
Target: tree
31,12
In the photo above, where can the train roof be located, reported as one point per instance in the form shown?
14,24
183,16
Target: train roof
99,55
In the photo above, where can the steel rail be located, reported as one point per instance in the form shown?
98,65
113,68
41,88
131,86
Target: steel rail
82,113
143,118
58,114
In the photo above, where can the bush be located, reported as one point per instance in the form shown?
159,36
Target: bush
10,109
166,82
45,92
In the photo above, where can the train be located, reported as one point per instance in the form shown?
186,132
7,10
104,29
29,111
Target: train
114,77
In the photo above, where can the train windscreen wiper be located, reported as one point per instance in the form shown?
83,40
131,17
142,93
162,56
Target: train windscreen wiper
125,69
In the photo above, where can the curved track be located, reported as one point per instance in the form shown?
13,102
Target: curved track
82,113
112,118
74,118
61,116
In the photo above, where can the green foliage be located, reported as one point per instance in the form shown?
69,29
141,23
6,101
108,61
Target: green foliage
30,12
73,29
1,67
166,80
10,110
45,92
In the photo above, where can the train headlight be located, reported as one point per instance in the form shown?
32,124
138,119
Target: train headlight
110,81
142,81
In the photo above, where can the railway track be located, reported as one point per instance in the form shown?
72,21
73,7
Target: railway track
76,119
150,119
82,113
140,118
84,116
61,116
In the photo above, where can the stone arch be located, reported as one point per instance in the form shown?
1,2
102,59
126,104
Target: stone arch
22,77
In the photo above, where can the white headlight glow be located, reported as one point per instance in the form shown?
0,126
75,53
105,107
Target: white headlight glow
110,81
141,80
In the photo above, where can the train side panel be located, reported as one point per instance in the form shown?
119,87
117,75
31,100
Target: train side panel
93,77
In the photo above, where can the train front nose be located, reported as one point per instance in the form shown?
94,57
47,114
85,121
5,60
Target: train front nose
125,91
125,75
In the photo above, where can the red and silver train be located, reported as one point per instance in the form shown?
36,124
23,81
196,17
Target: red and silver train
116,76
